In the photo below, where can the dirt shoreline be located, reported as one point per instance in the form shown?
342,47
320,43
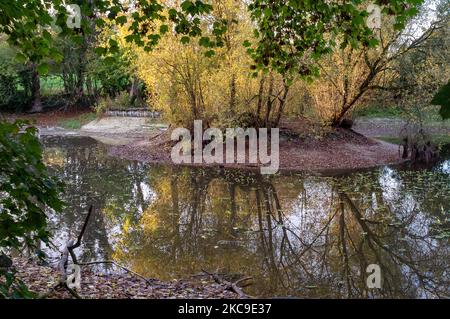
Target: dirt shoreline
335,154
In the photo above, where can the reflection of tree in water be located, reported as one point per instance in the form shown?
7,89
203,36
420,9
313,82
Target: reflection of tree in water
315,240
305,236
357,230
91,177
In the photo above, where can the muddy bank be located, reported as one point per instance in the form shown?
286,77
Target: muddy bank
337,150
107,130
125,126
303,147
110,131
94,285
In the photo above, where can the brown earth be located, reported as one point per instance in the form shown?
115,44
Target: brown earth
303,147
96,285
48,119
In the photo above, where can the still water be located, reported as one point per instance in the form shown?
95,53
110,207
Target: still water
298,235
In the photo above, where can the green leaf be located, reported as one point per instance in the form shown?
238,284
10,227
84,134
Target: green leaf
373,43
100,50
246,43
163,29
187,6
204,42
210,53
185,40
100,22
121,20
56,55
172,14
442,98
20,58
43,69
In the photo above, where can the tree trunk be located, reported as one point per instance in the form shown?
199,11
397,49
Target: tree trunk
36,105
233,93
133,89
269,101
282,104
260,97
81,70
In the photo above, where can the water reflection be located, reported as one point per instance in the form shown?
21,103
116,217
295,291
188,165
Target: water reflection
305,236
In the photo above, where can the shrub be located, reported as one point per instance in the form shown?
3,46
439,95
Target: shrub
120,102
26,191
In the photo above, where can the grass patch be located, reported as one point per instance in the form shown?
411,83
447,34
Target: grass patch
373,111
429,115
77,122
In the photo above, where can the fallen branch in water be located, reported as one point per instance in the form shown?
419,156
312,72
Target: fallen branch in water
71,247
156,136
232,286
68,250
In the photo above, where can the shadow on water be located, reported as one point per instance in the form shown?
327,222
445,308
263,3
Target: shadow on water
297,235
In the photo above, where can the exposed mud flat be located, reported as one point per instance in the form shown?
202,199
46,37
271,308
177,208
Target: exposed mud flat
127,126
148,140
111,130
338,150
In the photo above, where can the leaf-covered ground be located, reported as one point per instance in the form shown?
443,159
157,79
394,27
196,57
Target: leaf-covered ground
42,279
302,148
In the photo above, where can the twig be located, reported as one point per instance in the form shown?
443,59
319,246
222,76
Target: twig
72,292
56,288
65,257
80,236
232,286
240,281
50,292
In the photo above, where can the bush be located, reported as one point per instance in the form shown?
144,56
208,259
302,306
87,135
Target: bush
13,94
26,191
121,102
113,73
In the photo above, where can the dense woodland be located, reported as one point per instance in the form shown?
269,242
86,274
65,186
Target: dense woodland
230,64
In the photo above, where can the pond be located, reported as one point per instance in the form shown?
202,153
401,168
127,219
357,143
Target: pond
297,235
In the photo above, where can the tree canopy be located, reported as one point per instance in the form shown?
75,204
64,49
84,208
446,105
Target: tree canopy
285,30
